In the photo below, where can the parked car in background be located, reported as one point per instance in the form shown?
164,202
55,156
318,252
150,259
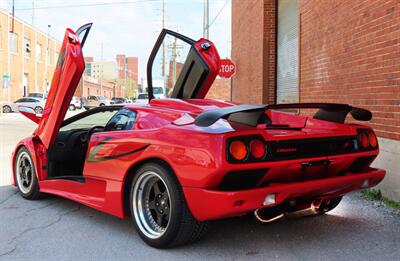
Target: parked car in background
41,95
127,100
96,101
36,104
75,104
118,100
142,98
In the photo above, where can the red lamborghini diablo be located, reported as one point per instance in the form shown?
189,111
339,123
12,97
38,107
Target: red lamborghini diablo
178,162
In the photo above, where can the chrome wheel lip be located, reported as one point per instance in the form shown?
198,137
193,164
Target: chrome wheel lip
21,179
139,207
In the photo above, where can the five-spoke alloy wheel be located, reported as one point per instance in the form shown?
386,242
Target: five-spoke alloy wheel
25,175
159,210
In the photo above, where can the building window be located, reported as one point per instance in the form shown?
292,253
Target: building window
38,52
13,42
27,47
288,52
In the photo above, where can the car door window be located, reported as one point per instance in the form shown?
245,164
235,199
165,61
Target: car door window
123,120
96,119
21,100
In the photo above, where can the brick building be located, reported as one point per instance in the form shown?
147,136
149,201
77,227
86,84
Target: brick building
324,51
127,67
27,58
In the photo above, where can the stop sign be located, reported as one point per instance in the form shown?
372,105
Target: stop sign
227,68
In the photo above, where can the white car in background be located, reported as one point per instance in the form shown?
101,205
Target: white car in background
96,101
142,98
37,104
75,104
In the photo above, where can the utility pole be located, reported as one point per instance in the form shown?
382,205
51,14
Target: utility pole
174,55
101,71
163,45
206,19
33,12
46,64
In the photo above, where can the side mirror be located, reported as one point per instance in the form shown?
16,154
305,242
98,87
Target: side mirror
29,113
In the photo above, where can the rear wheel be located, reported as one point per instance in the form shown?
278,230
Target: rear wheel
159,210
25,175
102,104
38,110
72,107
6,109
328,205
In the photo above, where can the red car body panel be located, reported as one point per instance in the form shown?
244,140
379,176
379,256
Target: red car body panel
196,155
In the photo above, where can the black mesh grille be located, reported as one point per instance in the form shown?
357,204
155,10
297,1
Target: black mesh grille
361,163
292,149
242,179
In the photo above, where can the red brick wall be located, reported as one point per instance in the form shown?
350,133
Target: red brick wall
121,61
133,68
350,53
253,50
221,89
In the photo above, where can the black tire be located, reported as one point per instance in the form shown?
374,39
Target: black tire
86,108
181,228
329,205
31,189
38,110
6,109
102,104
72,107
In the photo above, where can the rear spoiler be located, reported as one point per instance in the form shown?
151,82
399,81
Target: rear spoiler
255,114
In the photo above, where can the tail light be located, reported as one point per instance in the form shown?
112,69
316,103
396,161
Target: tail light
373,141
257,148
238,150
367,139
246,149
363,139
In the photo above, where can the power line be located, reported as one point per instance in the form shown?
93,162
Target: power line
219,12
86,5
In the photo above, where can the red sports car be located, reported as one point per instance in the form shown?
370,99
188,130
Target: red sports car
176,163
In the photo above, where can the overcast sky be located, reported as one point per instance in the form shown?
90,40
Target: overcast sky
127,26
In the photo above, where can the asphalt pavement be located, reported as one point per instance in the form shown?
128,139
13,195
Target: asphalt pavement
54,228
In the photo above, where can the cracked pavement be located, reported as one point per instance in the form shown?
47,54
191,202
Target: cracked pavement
56,228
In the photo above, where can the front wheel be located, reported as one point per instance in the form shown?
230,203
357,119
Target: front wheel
6,109
25,175
159,210
38,110
72,107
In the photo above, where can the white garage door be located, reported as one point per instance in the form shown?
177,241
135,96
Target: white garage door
288,51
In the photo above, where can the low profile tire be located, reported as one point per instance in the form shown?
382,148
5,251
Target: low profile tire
86,108
25,175
38,110
6,109
72,107
159,210
328,205
102,104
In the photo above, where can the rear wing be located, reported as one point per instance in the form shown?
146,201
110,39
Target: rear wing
255,114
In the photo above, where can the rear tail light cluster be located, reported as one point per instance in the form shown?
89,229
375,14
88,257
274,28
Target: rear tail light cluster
367,139
246,149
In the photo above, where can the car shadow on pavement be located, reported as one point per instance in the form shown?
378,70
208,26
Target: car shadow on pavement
59,225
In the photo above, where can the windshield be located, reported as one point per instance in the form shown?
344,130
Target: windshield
101,97
158,90
143,96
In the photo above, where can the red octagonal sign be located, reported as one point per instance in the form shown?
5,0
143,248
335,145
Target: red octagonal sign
227,68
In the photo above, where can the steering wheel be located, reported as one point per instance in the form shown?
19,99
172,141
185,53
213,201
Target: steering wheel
90,132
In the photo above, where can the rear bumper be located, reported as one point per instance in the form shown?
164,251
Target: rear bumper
210,204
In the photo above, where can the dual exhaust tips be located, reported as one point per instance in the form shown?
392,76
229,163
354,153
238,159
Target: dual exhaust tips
291,210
